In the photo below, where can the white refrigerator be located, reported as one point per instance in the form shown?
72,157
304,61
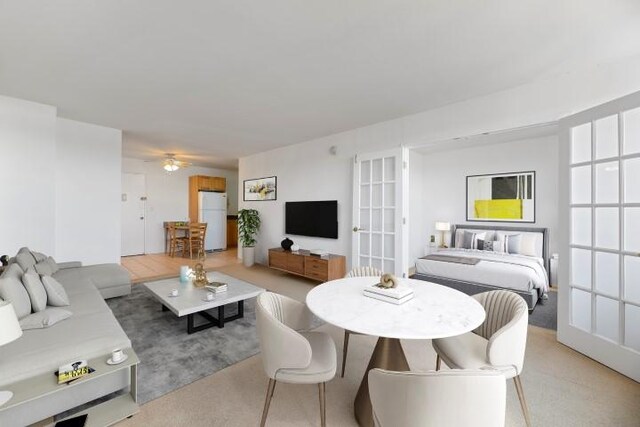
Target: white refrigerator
213,210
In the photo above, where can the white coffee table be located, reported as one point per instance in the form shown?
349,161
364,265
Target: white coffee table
191,300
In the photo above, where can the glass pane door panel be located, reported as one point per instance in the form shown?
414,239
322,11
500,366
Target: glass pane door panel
365,196
388,266
389,169
364,244
631,120
581,309
376,245
365,223
607,228
581,226
607,182
607,137
365,261
632,229
365,172
389,220
632,331
581,268
376,195
376,263
581,185
632,180
389,195
389,245
607,317
608,273
376,219
376,172
632,279
581,143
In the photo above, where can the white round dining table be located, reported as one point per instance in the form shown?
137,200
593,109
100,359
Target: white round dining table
435,311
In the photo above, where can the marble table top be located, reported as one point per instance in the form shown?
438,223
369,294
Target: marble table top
190,299
435,311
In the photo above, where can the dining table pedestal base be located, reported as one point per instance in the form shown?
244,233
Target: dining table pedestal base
388,354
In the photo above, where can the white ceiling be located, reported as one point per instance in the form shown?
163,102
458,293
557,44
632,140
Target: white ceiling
222,79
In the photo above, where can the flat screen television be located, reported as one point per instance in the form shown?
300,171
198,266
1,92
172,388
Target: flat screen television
315,219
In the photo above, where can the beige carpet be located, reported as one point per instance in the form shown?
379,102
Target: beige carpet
563,387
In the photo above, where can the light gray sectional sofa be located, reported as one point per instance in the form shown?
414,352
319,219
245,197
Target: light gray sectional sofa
91,331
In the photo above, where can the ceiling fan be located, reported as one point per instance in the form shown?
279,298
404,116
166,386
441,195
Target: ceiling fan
171,164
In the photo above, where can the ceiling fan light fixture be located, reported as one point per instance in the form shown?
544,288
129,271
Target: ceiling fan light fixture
171,166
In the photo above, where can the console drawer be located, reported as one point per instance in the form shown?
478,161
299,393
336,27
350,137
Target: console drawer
295,263
316,267
278,260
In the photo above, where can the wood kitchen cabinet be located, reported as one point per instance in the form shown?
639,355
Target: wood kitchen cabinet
232,232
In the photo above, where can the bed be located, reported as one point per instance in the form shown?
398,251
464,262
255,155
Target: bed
518,262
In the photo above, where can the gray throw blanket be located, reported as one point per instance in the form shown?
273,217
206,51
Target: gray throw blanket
453,258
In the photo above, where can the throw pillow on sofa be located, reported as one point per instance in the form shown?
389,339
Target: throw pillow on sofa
45,318
56,295
47,267
13,270
38,256
35,289
25,259
12,290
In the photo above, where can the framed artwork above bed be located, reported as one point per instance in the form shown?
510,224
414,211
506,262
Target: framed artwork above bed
503,197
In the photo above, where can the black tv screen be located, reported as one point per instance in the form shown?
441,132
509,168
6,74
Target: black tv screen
315,219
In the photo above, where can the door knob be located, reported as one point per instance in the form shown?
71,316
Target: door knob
141,217
356,229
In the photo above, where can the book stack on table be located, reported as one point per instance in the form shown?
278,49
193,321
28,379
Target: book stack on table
397,295
216,287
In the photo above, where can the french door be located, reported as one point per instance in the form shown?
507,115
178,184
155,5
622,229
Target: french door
599,293
380,222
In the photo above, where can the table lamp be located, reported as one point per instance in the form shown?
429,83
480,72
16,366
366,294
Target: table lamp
9,331
442,227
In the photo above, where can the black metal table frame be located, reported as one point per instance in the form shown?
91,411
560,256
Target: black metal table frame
212,320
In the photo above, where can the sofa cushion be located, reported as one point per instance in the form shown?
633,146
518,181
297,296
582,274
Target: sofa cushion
47,267
44,318
56,295
35,289
100,275
13,270
25,259
12,290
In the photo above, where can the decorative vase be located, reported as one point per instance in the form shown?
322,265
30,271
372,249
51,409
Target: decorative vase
286,244
295,248
248,256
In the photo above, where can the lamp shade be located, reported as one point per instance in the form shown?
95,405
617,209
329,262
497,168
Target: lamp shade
9,327
443,226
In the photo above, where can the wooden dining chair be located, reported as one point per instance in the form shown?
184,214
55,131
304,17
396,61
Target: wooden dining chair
175,243
194,241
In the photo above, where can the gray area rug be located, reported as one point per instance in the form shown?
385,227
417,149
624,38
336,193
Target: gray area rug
169,357
545,314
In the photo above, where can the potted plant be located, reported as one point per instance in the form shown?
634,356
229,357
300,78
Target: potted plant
248,226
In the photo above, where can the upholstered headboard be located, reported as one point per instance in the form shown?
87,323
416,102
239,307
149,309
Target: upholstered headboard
543,231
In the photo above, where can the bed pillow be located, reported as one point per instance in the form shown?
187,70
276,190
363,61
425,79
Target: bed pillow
44,318
487,245
35,289
512,243
13,291
470,239
56,295
528,245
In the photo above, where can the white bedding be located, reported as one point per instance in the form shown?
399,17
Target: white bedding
510,271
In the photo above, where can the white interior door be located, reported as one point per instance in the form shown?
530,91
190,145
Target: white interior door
133,213
379,237
599,292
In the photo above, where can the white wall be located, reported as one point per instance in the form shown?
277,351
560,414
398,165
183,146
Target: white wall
307,171
168,196
88,164
444,180
27,176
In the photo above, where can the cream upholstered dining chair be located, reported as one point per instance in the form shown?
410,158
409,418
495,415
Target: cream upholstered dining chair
457,398
356,272
499,343
289,353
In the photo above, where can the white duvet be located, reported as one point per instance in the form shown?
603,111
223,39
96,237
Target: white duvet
510,271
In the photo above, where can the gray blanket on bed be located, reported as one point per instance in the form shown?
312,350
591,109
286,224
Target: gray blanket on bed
453,259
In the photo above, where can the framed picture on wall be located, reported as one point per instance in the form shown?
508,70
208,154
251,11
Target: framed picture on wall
260,189
504,197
